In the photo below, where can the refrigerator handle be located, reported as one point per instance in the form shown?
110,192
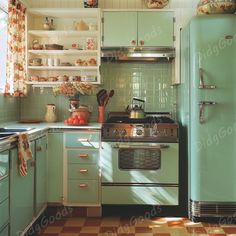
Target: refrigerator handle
201,82
202,105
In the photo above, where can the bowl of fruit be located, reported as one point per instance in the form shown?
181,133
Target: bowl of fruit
76,121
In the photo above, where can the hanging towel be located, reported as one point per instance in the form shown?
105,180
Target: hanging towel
24,153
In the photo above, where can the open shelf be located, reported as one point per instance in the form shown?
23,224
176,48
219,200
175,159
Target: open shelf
63,33
63,67
69,52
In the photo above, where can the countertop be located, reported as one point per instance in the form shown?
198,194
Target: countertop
40,129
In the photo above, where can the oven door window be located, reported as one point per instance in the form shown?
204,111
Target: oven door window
139,159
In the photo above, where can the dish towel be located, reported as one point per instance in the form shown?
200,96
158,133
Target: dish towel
24,153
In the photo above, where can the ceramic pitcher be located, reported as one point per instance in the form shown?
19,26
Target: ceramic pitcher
50,115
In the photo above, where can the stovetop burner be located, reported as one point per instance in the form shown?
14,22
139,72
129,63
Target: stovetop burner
147,120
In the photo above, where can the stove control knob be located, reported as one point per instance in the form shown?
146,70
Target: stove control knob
123,132
139,132
115,132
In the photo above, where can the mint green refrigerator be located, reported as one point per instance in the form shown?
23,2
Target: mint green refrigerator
207,101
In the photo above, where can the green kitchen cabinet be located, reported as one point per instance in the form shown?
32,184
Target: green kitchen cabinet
119,29
4,193
82,154
21,193
55,167
138,28
156,29
40,174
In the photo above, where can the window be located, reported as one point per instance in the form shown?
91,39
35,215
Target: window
3,47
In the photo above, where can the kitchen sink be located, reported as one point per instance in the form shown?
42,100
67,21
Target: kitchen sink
7,132
6,135
14,130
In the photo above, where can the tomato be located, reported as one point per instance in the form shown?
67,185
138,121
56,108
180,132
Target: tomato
70,121
76,120
66,122
82,122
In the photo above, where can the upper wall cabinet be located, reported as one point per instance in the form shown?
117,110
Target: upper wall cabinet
138,28
63,45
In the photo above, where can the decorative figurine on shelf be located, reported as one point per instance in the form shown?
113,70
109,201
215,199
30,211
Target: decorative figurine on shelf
48,25
90,3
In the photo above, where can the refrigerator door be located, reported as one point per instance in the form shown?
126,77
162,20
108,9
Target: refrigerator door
213,109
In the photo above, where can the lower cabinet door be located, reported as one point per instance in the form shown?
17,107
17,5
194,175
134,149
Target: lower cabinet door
41,173
164,196
5,231
84,192
4,212
21,194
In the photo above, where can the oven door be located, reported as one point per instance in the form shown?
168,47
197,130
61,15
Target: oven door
139,163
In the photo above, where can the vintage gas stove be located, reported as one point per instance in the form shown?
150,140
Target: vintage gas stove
153,128
140,159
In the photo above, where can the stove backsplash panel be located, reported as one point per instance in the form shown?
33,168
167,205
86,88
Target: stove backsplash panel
149,81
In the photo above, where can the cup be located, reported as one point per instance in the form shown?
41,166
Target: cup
50,62
90,44
56,61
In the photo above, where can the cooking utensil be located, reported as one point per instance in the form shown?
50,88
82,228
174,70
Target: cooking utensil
110,94
99,95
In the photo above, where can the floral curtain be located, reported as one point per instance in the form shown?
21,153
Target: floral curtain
16,55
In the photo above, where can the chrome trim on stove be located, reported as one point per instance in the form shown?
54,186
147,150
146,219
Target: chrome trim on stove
212,209
133,145
140,184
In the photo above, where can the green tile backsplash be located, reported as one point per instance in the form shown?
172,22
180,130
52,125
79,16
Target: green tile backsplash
9,108
148,81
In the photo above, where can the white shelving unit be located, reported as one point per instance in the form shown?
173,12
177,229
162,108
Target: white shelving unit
64,33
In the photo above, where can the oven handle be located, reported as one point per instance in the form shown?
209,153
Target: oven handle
159,146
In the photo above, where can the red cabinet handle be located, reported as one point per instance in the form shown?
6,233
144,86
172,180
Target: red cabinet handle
133,42
83,155
141,42
83,186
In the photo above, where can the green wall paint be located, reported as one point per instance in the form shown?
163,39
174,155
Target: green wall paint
149,81
9,109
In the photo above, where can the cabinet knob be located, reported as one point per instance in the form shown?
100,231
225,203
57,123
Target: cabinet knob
83,171
83,155
133,42
141,42
33,163
83,186
39,148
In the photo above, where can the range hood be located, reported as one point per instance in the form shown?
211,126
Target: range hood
138,53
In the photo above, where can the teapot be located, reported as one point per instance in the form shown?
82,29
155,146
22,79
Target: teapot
50,115
136,111
82,25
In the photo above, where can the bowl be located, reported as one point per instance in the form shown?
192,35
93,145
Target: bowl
156,4
84,113
216,7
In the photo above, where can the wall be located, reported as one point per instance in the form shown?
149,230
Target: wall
151,82
9,108
109,3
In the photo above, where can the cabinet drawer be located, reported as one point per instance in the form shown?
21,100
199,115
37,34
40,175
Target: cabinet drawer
82,140
83,156
5,231
76,171
4,189
132,195
4,212
83,191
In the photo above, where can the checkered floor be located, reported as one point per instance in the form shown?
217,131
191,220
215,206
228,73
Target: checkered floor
116,226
